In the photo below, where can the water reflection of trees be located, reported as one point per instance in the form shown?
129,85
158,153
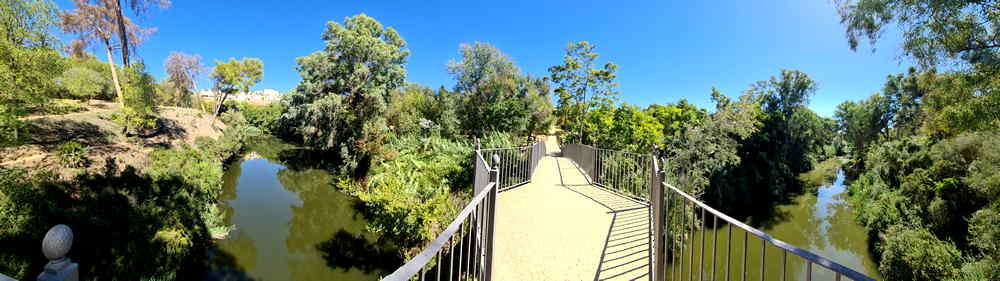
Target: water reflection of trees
327,231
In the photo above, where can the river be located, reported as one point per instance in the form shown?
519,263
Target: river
822,223
292,224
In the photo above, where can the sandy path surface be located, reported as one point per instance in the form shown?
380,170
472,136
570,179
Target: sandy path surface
558,227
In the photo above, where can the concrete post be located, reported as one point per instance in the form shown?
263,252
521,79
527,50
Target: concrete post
55,246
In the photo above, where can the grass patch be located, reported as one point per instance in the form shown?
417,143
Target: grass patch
823,174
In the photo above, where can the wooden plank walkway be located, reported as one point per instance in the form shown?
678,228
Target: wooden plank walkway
559,227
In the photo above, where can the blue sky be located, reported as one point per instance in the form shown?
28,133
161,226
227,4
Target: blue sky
665,50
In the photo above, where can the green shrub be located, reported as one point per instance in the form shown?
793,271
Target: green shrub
73,155
408,196
916,254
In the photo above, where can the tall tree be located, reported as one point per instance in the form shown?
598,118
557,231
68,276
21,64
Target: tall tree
236,76
98,23
140,8
26,23
576,79
182,72
341,102
495,90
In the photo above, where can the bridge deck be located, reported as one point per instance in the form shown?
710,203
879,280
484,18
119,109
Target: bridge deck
559,227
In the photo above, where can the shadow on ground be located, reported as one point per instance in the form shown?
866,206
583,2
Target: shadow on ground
626,249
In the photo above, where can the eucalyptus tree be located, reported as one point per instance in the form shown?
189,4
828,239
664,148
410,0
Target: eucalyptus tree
576,79
96,22
138,7
235,76
340,104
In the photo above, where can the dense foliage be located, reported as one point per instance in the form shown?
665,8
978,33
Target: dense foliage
925,150
341,102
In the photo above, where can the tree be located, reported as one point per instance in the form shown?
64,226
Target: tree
577,78
341,102
182,73
139,8
861,124
27,22
933,30
676,118
27,63
235,76
82,82
494,89
98,23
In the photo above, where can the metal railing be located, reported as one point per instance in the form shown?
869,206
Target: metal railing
678,219
624,173
517,163
469,238
464,250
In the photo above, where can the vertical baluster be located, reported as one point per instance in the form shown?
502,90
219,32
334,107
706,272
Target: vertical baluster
422,273
461,247
729,251
451,257
784,264
715,245
701,267
682,230
691,236
838,276
809,270
746,240
439,264
763,250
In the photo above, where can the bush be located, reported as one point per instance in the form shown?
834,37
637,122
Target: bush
408,196
73,155
915,254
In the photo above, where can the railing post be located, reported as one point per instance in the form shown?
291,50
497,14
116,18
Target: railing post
658,265
55,246
491,229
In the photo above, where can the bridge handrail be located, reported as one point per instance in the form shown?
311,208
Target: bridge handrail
416,265
808,256
646,169
473,227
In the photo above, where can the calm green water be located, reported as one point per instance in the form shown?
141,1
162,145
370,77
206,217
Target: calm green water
822,223
293,225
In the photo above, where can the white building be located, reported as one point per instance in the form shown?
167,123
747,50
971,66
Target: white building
265,96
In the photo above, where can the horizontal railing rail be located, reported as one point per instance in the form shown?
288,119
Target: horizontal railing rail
678,218
685,215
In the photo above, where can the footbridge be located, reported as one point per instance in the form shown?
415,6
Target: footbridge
576,212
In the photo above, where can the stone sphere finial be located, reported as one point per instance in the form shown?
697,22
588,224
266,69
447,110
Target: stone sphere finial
496,160
57,242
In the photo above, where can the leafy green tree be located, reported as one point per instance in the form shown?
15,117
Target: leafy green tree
27,23
862,124
341,102
82,83
576,79
236,76
495,91
27,63
933,30
712,145
676,118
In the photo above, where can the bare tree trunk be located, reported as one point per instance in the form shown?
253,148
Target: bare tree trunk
114,75
122,35
218,107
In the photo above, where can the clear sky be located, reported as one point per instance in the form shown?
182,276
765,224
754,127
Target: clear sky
665,50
